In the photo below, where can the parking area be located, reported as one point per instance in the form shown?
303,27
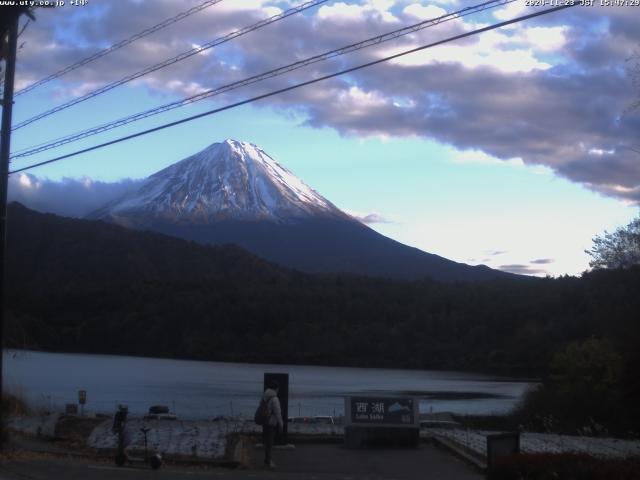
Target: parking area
308,461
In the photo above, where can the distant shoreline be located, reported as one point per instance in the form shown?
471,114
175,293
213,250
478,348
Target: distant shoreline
499,377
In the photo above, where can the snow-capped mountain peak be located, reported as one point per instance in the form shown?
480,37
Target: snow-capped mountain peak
227,180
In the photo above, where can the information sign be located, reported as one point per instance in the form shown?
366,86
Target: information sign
381,411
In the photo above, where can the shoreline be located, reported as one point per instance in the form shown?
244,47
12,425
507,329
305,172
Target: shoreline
490,375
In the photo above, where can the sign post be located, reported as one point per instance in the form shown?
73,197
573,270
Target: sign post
82,399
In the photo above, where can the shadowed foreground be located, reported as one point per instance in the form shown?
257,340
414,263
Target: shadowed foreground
307,461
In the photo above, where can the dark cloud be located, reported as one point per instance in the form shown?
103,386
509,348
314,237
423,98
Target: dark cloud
631,195
522,269
569,123
69,197
542,261
495,252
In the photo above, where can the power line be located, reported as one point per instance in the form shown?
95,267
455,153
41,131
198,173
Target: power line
173,60
119,45
296,86
261,77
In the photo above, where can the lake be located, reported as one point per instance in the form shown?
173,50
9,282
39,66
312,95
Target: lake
201,390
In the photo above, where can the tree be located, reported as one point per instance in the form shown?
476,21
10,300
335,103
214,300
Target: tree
583,392
620,249
588,369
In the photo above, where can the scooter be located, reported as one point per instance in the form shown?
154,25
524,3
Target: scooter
120,428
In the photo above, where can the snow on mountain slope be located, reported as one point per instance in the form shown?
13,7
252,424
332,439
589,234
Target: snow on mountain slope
226,181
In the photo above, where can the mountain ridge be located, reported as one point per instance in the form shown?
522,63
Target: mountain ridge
233,192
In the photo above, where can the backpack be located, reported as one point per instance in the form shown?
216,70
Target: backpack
261,416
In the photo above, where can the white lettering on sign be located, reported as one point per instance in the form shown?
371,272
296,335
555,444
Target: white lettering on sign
383,411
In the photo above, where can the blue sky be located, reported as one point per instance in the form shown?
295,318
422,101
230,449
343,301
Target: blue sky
512,148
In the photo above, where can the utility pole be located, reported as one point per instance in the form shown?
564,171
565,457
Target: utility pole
5,150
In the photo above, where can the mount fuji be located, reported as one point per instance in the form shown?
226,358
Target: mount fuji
233,192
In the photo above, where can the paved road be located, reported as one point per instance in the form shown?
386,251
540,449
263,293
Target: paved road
306,462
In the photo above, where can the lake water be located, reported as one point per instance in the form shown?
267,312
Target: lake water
200,390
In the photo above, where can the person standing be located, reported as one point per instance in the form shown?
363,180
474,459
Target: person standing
274,421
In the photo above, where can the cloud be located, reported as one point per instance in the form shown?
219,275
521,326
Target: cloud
542,261
553,120
370,218
374,218
522,269
510,11
346,13
546,38
421,12
495,252
550,93
629,195
532,268
69,197
496,50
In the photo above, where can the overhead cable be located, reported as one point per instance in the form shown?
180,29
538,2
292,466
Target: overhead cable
296,86
261,77
173,60
119,45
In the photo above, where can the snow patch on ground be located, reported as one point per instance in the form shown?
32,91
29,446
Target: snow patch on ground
476,440
200,439
193,438
197,439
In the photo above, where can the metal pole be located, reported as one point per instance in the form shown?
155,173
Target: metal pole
5,150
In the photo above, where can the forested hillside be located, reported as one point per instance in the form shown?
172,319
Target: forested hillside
83,286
